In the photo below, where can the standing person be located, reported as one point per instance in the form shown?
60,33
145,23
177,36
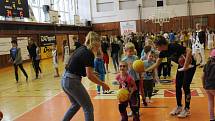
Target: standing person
115,54
105,46
208,81
200,43
81,64
55,60
171,37
16,59
184,73
120,42
77,44
149,77
130,57
66,52
210,39
33,55
100,69
127,82
38,57
162,68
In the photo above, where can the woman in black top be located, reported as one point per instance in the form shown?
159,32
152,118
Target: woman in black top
184,74
80,65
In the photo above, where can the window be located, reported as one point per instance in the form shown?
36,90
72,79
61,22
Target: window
202,20
199,1
127,4
64,8
66,5
175,2
103,7
149,3
36,13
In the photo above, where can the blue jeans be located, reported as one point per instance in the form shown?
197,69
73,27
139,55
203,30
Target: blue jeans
78,96
102,78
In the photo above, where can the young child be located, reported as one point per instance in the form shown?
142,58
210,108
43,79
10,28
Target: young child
100,69
149,77
16,59
55,60
163,68
127,82
66,53
208,80
130,57
145,52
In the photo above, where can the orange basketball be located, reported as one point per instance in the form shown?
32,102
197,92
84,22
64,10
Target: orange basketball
181,60
1,115
138,66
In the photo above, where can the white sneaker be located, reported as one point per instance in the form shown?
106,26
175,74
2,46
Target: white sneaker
176,111
130,114
184,113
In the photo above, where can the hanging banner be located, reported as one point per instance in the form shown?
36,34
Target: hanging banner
5,46
46,52
23,43
46,45
127,27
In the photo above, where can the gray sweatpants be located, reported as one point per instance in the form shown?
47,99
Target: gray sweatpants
78,96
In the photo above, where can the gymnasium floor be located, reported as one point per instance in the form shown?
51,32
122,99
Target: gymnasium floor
43,99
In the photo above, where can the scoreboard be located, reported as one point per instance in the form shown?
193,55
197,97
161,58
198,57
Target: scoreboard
14,8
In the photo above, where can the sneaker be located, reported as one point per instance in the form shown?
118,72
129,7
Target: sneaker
176,111
130,114
98,92
184,113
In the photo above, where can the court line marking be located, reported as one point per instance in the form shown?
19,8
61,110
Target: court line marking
13,119
46,100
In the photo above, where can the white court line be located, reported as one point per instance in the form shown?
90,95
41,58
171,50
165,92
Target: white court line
35,106
42,103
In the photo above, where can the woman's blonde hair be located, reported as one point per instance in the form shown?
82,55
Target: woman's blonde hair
92,39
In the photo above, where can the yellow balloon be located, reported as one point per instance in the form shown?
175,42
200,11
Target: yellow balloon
138,66
123,95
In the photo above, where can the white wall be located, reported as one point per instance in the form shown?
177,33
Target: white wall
148,12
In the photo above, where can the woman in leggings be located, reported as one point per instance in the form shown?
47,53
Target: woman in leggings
80,65
184,74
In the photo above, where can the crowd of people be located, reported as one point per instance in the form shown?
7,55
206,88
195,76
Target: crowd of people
157,50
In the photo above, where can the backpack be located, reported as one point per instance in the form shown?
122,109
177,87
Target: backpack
210,70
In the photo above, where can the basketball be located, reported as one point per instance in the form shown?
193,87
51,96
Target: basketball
1,115
138,66
123,95
181,60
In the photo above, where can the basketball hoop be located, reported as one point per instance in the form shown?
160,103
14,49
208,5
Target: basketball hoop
160,17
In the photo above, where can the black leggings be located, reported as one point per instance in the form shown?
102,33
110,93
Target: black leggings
16,71
184,79
36,65
163,66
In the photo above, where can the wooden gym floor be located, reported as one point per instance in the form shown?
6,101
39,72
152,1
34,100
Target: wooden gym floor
43,99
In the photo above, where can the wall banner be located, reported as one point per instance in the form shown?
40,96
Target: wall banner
127,27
